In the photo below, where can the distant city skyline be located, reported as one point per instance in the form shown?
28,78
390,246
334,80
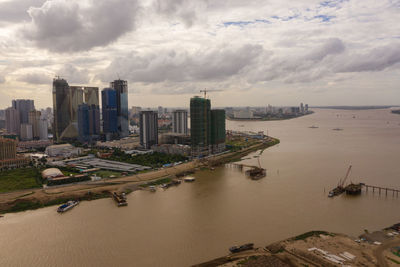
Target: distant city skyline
258,52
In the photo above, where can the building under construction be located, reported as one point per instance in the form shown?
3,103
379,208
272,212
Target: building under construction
217,130
207,127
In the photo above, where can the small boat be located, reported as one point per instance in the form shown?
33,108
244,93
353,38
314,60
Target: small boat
236,249
67,206
337,129
189,179
152,188
313,127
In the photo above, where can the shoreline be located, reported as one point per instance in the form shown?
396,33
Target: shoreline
32,199
320,248
270,119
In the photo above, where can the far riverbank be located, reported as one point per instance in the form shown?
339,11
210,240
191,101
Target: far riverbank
272,118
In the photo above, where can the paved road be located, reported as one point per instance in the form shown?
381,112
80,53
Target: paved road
378,252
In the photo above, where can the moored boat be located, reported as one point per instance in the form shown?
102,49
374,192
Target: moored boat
189,179
353,189
67,206
236,249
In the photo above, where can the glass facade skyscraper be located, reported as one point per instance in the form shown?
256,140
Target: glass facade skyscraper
121,88
109,111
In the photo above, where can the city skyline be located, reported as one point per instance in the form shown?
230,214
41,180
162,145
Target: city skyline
328,52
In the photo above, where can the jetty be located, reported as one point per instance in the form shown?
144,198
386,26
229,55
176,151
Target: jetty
120,199
255,172
379,190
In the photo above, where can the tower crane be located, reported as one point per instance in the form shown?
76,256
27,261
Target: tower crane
342,182
205,91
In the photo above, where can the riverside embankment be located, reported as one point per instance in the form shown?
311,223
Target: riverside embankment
38,198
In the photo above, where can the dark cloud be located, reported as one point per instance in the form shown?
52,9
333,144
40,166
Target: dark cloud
330,47
35,78
73,74
16,11
377,59
180,66
68,26
185,10
312,66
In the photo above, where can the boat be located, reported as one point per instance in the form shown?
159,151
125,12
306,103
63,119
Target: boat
339,189
353,189
256,173
236,249
313,127
67,206
189,179
336,191
337,129
120,199
152,188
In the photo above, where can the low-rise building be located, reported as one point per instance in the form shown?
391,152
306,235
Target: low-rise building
8,155
65,150
52,173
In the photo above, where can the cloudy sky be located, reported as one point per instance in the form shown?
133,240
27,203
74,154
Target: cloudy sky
329,52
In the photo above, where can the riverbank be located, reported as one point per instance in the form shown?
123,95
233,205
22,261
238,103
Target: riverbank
37,198
273,118
320,248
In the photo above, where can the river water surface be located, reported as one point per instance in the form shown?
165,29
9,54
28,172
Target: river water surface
196,222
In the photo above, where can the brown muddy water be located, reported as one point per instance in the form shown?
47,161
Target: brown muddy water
196,222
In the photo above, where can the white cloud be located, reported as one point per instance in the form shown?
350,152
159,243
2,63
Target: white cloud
64,26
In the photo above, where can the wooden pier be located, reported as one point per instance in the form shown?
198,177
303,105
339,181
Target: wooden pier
381,190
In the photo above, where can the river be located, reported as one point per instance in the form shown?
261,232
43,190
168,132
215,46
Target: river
196,222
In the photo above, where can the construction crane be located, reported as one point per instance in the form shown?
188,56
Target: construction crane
342,182
205,91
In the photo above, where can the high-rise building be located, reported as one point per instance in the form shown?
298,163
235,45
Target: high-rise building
88,122
66,102
121,88
306,108
43,129
218,132
109,112
91,95
13,121
148,129
83,123
301,107
160,111
61,107
180,122
200,125
26,132
34,120
24,106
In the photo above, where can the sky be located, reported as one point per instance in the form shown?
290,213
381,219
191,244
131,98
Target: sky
253,52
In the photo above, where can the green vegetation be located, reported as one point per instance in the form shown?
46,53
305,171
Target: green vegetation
309,234
238,143
68,181
18,179
154,160
107,174
393,260
157,182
